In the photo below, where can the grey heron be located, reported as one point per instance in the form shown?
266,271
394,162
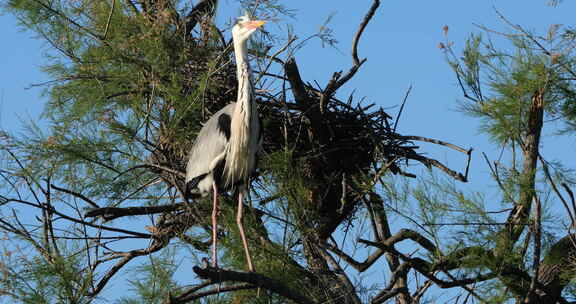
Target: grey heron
223,156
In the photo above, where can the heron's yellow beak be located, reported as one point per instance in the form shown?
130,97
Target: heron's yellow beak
254,24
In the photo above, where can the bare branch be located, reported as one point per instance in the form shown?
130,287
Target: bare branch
296,83
391,290
436,141
363,25
430,162
337,78
109,19
401,108
76,194
571,194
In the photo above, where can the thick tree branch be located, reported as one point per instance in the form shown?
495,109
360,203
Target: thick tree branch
381,230
220,276
530,148
388,294
347,285
296,84
110,213
220,289
393,289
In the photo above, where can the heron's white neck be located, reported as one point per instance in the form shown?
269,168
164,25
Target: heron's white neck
239,164
243,73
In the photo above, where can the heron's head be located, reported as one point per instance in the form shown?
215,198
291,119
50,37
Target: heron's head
245,27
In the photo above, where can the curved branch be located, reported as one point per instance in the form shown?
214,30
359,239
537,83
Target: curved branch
217,290
363,25
430,162
76,194
436,141
427,269
337,78
217,275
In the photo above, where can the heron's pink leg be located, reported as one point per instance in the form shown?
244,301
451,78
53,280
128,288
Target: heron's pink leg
241,228
214,225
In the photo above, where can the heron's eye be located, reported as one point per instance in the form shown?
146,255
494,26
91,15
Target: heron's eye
242,19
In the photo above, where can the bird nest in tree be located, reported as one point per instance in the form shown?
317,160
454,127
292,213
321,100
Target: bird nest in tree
343,148
339,145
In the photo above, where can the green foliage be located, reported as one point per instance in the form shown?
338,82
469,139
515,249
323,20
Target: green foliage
33,278
290,184
128,92
501,83
117,89
152,282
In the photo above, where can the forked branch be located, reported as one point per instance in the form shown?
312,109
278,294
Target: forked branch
338,79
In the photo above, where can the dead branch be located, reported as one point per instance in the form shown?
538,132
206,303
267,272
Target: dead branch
438,142
430,162
296,84
338,79
427,269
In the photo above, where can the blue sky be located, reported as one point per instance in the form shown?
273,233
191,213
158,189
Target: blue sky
401,44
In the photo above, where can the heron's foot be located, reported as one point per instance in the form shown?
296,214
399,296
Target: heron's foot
206,264
251,267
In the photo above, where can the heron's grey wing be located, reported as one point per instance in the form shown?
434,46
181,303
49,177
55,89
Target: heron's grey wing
208,149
